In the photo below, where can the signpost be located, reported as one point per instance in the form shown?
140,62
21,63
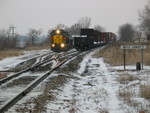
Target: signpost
133,46
124,47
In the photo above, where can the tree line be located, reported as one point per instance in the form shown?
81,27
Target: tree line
128,32
7,41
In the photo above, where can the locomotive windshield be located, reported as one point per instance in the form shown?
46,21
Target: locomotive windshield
57,32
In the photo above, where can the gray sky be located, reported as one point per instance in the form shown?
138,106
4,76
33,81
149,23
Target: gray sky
46,14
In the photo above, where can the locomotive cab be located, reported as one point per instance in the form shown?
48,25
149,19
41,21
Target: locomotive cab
60,40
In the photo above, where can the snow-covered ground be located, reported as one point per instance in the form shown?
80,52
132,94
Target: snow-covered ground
96,89
8,63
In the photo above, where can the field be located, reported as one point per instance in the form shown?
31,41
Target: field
114,54
16,52
134,84
95,83
10,53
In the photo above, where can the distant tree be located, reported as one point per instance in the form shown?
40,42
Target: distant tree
33,34
99,28
126,32
84,22
3,37
7,40
144,18
75,29
137,34
60,26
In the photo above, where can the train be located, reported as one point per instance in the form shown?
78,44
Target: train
90,38
60,40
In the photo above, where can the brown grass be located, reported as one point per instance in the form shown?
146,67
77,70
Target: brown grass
17,52
145,91
37,47
10,53
127,94
125,78
113,54
2,75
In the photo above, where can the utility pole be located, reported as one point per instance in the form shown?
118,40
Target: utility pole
12,31
12,37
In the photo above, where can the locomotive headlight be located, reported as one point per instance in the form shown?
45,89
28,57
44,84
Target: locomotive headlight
62,45
58,31
53,45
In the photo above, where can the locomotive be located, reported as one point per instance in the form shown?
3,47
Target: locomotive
60,40
90,38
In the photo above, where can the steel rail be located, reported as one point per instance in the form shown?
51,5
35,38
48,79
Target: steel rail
35,83
26,61
6,79
29,88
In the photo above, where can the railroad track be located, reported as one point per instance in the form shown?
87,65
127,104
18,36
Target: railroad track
59,61
36,64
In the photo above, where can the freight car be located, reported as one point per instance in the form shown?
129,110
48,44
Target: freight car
90,38
60,40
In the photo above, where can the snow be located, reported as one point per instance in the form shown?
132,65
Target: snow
89,94
94,91
11,62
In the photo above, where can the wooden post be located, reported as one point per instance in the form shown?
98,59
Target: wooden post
142,57
124,57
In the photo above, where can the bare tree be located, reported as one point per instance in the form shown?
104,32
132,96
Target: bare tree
99,28
126,32
84,22
2,39
144,18
60,26
137,34
33,33
75,29
6,40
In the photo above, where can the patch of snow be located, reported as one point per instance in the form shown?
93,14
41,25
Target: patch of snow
14,61
96,89
93,93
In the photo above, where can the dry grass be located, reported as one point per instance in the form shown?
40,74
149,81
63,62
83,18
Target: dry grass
17,52
103,110
125,78
145,91
113,54
128,92
128,95
37,47
10,53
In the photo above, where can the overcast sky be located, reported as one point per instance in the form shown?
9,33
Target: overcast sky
46,14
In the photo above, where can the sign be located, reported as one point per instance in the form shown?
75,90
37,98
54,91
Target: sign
124,47
133,47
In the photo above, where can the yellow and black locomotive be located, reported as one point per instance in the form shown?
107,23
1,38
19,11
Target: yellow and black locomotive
60,40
